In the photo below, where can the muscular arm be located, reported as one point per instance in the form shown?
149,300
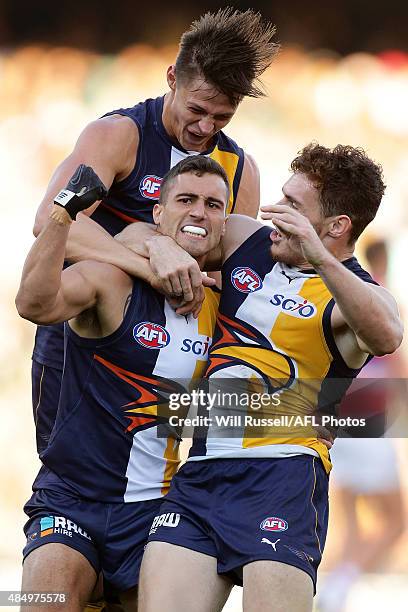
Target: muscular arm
238,229
370,311
109,146
93,242
46,294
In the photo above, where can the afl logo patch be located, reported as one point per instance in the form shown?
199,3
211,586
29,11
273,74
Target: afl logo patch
246,280
273,523
151,335
150,186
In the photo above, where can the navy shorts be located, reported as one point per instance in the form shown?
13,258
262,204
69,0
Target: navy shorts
112,536
241,511
45,388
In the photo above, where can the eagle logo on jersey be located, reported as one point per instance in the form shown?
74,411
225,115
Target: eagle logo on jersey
245,280
151,335
150,393
150,186
238,343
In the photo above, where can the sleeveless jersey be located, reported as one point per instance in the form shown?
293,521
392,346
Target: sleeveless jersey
274,336
133,198
105,444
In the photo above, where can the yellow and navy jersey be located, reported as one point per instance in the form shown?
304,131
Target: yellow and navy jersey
105,444
133,198
274,339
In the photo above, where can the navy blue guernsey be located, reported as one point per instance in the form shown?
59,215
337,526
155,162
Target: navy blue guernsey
133,198
104,445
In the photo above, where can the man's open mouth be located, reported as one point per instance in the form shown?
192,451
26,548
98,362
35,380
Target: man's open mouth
194,230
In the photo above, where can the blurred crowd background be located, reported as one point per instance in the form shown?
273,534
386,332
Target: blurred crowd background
342,77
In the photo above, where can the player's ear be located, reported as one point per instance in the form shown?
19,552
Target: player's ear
171,77
157,213
339,226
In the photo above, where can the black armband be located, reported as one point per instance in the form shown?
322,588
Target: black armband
84,189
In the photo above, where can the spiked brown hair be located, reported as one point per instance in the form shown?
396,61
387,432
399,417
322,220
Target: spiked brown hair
230,49
348,182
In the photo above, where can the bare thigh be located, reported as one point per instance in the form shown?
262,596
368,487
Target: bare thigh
56,568
271,586
177,579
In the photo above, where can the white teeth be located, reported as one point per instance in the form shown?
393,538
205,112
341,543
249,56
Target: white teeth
193,229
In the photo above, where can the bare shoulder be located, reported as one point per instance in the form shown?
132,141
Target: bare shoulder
241,223
119,127
115,137
248,198
238,229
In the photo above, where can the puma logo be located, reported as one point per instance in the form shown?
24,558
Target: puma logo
290,278
273,544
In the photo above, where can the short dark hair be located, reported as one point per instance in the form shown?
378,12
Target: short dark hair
197,164
230,49
348,182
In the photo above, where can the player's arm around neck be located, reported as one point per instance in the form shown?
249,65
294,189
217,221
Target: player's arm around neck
369,311
109,145
175,273
91,241
171,264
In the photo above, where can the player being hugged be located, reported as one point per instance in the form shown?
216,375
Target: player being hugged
106,469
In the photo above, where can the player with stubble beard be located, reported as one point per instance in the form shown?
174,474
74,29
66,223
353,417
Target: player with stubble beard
106,469
299,316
